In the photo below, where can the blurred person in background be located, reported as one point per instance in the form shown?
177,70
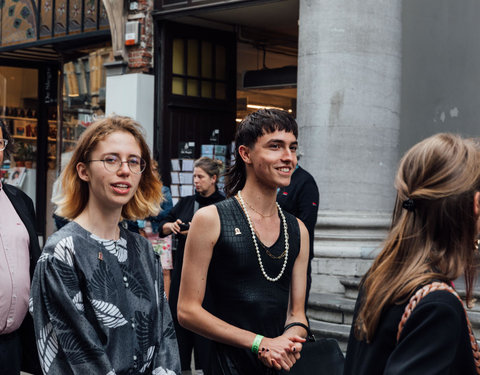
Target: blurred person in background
149,228
205,177
301,198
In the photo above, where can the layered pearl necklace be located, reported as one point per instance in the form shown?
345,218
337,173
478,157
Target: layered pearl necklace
284,222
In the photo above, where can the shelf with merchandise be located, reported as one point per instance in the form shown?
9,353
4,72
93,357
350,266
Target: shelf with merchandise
25,154
18,118
25,138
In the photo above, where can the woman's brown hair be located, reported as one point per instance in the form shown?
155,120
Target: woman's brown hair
433,227
212,167
74,197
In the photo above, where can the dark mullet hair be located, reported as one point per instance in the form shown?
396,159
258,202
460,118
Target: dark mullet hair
253,126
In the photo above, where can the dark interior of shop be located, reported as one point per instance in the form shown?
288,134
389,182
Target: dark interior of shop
267,46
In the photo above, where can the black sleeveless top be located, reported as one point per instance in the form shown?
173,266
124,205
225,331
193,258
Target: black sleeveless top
242,296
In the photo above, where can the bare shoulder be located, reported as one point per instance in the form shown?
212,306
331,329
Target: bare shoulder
303,228
208,214
304,239
206,223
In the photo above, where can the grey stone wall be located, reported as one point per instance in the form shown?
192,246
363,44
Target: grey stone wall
440,69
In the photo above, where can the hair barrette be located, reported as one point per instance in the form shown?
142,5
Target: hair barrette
409,204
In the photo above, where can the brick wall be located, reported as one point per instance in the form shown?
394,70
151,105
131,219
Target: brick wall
140,56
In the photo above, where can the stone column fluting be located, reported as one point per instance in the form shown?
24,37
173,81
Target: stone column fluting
348,103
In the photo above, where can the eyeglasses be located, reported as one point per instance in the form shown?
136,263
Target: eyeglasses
3,144
113,163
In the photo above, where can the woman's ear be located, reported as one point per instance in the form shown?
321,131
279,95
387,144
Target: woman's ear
476,203
83,172
244,153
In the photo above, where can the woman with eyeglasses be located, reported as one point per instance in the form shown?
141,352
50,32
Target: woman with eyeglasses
98,301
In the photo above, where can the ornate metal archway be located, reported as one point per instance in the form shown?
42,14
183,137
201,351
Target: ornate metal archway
27,24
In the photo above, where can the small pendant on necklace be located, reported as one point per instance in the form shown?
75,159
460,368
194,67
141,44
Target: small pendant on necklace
100,255
237,231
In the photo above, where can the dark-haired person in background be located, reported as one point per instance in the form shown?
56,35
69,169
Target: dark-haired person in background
301,198
19,251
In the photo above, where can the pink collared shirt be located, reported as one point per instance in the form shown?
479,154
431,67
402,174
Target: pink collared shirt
14,267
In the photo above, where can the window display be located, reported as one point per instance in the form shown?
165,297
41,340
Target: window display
19,111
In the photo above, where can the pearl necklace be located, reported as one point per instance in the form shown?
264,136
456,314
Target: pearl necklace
284,222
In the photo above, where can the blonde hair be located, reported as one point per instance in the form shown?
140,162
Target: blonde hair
75,192
432,236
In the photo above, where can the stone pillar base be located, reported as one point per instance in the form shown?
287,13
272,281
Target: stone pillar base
345,245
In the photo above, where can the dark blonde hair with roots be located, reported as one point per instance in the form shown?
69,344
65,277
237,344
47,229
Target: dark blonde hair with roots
434,240
75,192
212,167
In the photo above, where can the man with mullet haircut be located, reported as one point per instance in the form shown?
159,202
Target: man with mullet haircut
253,256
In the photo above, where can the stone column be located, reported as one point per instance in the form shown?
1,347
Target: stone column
348,102
117,16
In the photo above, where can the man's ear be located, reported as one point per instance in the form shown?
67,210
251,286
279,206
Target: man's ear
244,153
83,172
476,203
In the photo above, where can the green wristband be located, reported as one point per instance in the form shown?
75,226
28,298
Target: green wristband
256,343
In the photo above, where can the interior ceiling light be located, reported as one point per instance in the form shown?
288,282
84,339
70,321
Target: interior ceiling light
258,106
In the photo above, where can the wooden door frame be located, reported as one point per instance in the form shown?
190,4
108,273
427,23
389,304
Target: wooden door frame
165,31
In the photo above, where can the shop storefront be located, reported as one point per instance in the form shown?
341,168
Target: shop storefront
52,85
217,61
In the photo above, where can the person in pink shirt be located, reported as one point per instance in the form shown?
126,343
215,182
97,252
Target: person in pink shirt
19,251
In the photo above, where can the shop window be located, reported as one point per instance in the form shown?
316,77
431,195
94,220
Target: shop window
178,86
192,87
220,68
192,59
207,89
178,57
19,112
199,69
207,67
83,96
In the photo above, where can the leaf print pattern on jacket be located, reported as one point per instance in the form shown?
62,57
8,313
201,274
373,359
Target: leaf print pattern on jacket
96,309
117,248
47,345
78,301
108,314
64,251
